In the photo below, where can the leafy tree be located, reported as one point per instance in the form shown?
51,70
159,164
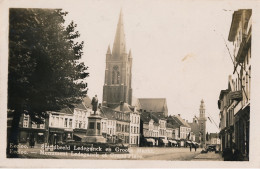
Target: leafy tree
45,72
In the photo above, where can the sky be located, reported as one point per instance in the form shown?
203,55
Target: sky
178,50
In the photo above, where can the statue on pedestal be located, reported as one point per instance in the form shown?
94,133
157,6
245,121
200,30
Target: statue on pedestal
94,103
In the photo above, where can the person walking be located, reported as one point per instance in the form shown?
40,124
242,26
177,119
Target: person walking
195,147
190,147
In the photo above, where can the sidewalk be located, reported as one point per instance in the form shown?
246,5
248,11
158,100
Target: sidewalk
210,156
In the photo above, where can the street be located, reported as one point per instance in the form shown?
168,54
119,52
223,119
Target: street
135,153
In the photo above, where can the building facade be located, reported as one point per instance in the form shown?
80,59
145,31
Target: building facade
240,37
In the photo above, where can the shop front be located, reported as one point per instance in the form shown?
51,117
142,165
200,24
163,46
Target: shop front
30,135
242,126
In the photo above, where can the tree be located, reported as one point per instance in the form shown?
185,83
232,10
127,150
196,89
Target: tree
45,72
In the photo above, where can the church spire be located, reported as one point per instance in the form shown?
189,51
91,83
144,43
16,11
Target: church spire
119,46
108,50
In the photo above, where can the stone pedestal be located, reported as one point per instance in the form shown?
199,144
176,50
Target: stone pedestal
94,134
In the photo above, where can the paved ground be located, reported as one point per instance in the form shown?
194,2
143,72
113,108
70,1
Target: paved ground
136,153
210,156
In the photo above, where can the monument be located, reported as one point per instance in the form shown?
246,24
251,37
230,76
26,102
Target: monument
94,134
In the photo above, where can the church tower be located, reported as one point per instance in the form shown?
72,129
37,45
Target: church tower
118,74
202,123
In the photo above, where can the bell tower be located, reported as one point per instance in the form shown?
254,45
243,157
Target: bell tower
202,123
118,74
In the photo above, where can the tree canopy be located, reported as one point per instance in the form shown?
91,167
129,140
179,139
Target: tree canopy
45,72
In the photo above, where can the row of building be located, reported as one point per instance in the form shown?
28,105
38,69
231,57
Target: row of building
133,125
234,102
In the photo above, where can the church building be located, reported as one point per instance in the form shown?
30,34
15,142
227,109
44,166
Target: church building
118,74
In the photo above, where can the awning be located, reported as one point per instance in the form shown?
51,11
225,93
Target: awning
173,141
165,141
194,142
80,135
188,142
150,140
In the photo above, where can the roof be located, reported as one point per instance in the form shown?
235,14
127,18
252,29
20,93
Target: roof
80,106
87,102
66,111
147,116
173,122
222,92
195,128
119,46
213,135
181,121
168,125
236,18
153,104
108,113
125,108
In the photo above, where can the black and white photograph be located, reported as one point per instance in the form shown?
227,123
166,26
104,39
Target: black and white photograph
139,82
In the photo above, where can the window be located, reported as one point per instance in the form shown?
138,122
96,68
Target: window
131,129
56,123
137,130
80,124
70,123
98,126
66,122
115,75
122,128
42,125
91,125
26,121
34,125
76,124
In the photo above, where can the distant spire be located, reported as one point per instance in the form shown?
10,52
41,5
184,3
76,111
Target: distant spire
119,46
108,50
130,54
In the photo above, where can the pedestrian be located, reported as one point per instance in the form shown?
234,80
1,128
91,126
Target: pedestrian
195,147
190,147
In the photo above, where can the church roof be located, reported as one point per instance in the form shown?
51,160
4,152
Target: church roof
119,46
153,104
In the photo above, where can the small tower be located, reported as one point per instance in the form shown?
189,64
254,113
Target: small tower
202,123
